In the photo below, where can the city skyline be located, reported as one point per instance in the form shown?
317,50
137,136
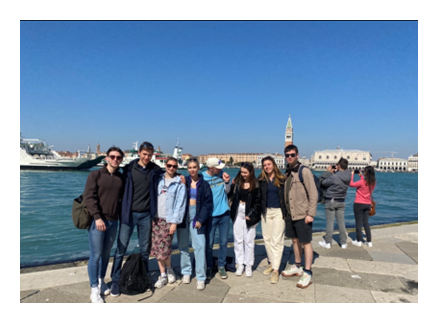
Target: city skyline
221,86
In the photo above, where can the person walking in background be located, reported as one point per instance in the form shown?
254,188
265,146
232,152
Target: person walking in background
300,199
102,194
171,209
362,203
245,214
337,186
219,182
273,211
198,211
139,205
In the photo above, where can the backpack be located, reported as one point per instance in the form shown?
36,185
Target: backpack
319,189
134,278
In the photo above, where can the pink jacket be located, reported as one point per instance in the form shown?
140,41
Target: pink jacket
363,193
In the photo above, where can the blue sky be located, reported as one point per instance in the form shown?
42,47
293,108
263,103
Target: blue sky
221,86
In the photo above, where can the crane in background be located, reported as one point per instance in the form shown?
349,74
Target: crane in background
392,152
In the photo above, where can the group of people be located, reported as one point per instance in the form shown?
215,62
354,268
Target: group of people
161,203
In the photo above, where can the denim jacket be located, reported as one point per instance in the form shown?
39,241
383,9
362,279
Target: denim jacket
175,201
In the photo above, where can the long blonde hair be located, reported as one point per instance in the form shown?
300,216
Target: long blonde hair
278,175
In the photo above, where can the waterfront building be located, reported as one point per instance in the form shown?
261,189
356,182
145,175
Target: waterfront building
279,160
413,163
357,159
235,158
289,134
392,164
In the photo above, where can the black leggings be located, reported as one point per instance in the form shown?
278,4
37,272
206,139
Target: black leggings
361,214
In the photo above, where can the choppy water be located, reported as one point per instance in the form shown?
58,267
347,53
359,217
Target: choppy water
47,234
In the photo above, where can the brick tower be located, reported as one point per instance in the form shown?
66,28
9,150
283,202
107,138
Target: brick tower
289,135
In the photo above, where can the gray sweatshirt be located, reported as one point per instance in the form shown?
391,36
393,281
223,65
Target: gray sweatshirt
337,184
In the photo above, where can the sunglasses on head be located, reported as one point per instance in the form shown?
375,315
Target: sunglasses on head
172,166
192,160
115,157
291,155
146,145
244,164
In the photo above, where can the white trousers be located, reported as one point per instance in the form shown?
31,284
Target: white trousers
273,227
243,239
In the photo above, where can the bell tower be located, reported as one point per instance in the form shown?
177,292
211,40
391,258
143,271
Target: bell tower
289,135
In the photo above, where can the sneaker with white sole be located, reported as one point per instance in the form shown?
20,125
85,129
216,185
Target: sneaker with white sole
200,284
222,273
104,290
248,271
171,275
161,282
369,244
325,245
239,270
186,279
95,295
293,271
357,243
344,246
305,281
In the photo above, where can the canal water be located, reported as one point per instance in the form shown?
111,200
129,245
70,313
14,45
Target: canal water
48,236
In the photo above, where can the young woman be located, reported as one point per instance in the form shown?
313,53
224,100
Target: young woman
362,203
198,211
245,213
171,208
102,194
273,214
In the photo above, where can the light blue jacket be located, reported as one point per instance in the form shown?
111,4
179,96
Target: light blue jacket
175,200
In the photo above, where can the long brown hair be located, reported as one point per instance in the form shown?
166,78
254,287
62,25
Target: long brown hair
278,175
370,176
252,179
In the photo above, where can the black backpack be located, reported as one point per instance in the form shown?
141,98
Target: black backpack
134,278
317,184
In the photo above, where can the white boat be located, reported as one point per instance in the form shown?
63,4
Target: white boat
36,155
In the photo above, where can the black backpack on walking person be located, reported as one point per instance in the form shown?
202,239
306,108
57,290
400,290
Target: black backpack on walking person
134,278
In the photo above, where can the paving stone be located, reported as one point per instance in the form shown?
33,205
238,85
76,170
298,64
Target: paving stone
387,244
410,237
411,285
351,252
409,248
384,268
234,280
397,258
382,297
27,293
74,293
332,263
335,294
230,298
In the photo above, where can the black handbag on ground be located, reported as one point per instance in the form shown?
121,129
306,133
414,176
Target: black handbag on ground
79,213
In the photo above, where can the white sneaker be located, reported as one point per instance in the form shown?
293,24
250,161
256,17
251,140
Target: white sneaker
200,284
293,271
186,279
369,244
104,290
248,271
325,245
171,275
161,282
95,295
305,281
344,246
357,243
239,270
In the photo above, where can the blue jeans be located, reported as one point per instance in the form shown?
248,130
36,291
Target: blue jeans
143,221
101,243
198,244
223,223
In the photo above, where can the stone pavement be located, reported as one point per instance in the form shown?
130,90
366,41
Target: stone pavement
385,273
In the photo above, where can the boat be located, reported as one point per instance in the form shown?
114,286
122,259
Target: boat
35,154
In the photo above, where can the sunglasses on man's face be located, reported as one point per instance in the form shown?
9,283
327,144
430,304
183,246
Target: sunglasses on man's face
291,155
115,157
172,166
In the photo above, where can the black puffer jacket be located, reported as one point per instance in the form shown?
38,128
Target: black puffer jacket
264,196
253,204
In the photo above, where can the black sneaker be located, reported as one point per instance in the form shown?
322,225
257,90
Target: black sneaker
115,289
208,274
223,273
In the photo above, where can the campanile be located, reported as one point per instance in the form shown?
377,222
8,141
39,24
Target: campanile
289,135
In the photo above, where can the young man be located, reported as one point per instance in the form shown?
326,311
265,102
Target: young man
337,185
301,200
102,194
139,206
219,182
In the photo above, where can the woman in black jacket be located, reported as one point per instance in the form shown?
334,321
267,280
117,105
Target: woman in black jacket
273,214
245,213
